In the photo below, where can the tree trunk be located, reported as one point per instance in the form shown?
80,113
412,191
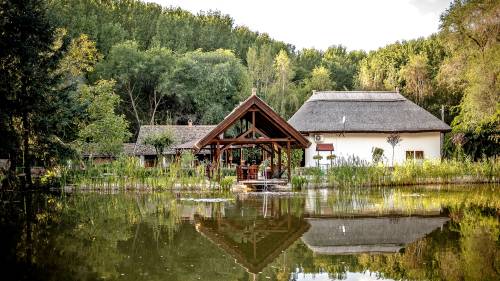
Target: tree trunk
132,101
26,151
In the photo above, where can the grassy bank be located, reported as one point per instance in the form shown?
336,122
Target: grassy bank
127,173
345,174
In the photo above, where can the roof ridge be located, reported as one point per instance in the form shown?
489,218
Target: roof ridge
357,91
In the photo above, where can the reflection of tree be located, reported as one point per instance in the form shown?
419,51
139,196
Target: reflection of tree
102,236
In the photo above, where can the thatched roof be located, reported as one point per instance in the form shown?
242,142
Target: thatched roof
128,149
185,136
364,235
364,111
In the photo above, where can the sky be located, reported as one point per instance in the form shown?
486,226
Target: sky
356,24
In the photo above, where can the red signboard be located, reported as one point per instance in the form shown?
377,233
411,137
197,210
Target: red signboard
324,147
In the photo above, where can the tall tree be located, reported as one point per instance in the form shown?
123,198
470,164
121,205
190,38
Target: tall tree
471,30
416,76
104,131
27,61
143,78
283,97
343,66
207,85
260,68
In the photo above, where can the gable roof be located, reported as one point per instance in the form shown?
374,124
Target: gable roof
185,136
267,121
364,111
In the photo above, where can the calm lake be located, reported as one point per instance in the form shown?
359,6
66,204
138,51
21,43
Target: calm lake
411,233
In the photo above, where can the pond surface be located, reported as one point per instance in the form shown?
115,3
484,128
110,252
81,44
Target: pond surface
412,233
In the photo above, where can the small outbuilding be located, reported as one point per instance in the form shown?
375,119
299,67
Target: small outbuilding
355,125
185,136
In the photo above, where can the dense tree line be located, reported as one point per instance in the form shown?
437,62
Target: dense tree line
458,68
63,62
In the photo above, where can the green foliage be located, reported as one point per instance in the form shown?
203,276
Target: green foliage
187,159
343,66
207,85
295,154
29,102
448,171
105,131
227,182
127,173
377,154
298,182
470,30
143,79
160,142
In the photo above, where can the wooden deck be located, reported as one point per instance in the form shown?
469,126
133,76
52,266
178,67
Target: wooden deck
264,182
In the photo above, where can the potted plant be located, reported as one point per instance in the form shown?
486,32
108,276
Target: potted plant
317,158
331,157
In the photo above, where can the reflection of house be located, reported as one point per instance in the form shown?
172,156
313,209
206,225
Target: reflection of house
253,241
357,122
364,235
185,136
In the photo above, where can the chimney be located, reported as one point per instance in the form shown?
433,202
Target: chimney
254,91
314,92
190,123
397,90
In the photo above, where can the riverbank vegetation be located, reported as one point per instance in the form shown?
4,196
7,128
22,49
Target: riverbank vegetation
146,64
356,173
126,173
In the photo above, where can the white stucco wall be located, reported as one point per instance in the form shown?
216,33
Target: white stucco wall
361,144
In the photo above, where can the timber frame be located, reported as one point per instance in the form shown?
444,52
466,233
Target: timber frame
255,124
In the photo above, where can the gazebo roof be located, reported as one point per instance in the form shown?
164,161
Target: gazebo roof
270,127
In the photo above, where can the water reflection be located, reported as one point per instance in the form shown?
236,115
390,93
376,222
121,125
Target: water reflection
340,236
365,234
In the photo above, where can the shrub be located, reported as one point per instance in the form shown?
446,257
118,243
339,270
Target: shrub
298,182
227,182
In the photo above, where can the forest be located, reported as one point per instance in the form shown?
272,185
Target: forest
86,74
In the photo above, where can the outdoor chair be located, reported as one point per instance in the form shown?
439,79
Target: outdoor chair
239,173
253,172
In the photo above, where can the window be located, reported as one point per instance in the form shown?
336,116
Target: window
414,155
410,155
419,154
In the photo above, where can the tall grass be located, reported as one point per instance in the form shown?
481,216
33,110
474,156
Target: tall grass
127,173
352,172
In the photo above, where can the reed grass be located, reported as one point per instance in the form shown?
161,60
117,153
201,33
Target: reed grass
352,172
127,173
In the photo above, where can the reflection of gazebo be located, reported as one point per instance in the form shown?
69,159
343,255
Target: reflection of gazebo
253,124
336,236
253,242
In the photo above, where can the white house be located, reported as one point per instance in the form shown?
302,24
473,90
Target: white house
353,124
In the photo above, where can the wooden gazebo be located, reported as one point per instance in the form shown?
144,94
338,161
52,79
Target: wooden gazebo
253,123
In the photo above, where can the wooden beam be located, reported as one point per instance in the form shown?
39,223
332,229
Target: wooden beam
249,141
253,124
288,162
226,146
262,146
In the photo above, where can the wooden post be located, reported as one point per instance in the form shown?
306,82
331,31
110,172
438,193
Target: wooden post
218,161
253,125
289,170
279,162
272,159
